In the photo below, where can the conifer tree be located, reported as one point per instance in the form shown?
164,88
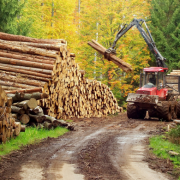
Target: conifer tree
165,29
10,17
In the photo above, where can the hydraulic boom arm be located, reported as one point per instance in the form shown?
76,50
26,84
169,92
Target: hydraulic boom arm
160,60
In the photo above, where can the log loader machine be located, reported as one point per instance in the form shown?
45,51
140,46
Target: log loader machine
154,94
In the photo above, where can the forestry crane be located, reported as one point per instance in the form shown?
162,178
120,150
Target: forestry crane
154,95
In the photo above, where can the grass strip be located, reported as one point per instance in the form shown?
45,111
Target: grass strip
30,136
161,146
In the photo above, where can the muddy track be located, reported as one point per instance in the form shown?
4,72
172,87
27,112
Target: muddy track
112,148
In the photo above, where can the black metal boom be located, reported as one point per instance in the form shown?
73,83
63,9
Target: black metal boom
160,60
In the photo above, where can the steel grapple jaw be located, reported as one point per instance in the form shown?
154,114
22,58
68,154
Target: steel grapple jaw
108,52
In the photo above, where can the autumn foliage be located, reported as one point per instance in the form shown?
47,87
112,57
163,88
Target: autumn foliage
81,21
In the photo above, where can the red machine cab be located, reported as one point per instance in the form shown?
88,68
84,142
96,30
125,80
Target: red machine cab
152,82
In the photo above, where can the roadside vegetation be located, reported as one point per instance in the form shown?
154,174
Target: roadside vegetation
163,145
32,135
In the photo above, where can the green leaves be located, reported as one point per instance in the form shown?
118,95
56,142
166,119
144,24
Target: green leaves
11,17
165,24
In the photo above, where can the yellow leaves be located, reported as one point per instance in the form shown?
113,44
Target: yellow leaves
53,19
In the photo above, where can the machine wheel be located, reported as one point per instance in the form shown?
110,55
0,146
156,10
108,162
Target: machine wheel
132,111
165,111
174,109
178,109
152,113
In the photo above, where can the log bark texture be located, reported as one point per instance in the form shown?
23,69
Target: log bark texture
111,57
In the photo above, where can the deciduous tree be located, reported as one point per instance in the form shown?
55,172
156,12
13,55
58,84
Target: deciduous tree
101,20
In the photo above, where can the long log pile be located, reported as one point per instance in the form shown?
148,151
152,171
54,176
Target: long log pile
72,95
8,126
28,64
26,111
172,81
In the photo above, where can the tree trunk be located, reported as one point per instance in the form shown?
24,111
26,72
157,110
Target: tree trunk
24,118
11,37
13,84
23,128
32,103
3,73
32,56
26,70
25,90
5,77
39,45
18,110
27,49
123,65
36,118
24,57
25,63
22,96
17,128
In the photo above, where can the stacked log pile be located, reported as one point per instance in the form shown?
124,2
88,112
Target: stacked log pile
8,126
26,111
72,95
26,63
172,80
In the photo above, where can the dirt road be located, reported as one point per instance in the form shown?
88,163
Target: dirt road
112,148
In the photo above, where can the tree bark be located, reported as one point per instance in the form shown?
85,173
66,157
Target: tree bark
23,128
40,45
18,110
36,118
17,128
25,63
11,37
5,77
16,85
27,49
123,65
26,70
34,56
22,96
24,57
25,90
8,88
16,75
48,125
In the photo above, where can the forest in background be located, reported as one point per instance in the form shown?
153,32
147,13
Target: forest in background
79,21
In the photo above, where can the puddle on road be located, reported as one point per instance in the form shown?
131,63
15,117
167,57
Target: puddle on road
129,138
138,169
67,173
31,171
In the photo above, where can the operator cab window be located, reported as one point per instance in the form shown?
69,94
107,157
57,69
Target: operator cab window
150,80
160,80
